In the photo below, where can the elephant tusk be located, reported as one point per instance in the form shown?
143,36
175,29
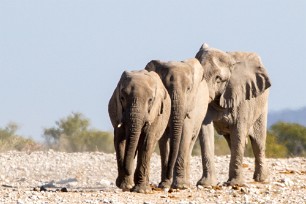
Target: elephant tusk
119,125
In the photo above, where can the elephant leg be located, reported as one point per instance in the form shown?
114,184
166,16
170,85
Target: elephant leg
193,140
164,154
119,143
258,141
237,139
206,138
187,170
181,166
141,176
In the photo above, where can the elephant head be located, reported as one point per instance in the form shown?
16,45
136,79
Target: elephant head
232,76
181,80
136,102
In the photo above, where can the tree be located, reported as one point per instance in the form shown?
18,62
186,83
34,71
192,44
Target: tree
275,149
73,134
9,140
8,131
292,135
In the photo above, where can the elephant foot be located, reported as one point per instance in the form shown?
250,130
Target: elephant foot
239,181
142,188
261,175
180,183
118,182
206,182
165,184
125,184
181,186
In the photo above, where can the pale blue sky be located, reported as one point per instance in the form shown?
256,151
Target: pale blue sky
58,57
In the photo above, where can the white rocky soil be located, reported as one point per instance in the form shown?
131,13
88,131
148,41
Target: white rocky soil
57,177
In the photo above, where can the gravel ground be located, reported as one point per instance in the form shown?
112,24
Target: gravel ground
57,177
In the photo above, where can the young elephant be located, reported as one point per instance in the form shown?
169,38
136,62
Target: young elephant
139,110
189,100
238,88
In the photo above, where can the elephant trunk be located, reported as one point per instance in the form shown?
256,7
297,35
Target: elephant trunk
134,126
176,127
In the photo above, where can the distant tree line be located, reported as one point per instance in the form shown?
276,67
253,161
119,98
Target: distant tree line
9,140
74,134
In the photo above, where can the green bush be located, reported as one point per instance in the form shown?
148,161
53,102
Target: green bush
73,134
275,149
291,135
10,141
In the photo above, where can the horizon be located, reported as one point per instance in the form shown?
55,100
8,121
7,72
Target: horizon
40,138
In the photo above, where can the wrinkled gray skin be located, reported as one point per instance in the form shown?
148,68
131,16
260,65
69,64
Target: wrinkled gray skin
139,110
189,101
238,89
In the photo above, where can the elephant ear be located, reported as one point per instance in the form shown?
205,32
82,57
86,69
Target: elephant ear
156,66
197,78
198,71
248,80
115,109
161,97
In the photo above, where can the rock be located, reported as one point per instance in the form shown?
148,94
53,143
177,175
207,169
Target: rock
104,183
43,188
64,189
246,199
106,200
244,190
287,181
36,189
19,201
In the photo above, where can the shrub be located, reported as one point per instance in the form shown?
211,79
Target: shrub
73,134
291,135
9,140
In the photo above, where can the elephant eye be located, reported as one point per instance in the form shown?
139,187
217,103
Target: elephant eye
150,100
122,98
218,79
188,88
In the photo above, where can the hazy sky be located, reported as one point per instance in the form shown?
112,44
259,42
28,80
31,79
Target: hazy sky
58,57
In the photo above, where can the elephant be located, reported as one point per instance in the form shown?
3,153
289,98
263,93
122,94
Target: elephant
189,95
139,110
238,90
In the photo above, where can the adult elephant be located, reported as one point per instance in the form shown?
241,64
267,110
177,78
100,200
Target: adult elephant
139,110
238,89
189,100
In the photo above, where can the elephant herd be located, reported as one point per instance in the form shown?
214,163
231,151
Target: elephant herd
173,103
